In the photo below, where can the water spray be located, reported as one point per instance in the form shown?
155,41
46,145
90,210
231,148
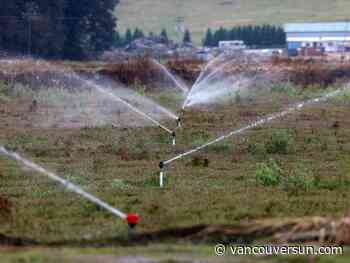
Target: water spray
131,219
179,84
268,119
201,77
144,115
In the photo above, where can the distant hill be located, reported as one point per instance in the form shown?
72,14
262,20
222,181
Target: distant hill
153,15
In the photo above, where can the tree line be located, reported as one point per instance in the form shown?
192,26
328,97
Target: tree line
122,40
253,36
64,29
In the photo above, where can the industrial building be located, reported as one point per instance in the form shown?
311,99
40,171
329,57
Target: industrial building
312,38
232,45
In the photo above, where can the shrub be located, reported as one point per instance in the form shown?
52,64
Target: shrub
255,148
279,142
4,89
200,138
119,184
200,161
223,147
268,174
287,88
300,180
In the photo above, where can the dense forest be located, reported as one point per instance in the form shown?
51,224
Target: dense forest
65,29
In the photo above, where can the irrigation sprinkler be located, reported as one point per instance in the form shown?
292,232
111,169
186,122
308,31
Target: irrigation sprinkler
178,121
161,174
174,137
265,120
131,219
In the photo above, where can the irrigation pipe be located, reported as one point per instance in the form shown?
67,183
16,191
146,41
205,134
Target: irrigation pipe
255,124
132,219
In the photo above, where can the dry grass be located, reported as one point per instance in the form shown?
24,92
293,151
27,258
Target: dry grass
120,166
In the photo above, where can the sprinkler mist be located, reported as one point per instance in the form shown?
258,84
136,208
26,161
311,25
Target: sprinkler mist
116,98
202,78
178,83
268,119
131,219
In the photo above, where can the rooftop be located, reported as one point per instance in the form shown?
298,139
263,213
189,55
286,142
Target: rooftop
317,27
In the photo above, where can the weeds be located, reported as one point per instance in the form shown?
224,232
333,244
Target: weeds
4,89
200,138
287,88
200,161
280,142
119,184
223,147
269,174
300,180
256,148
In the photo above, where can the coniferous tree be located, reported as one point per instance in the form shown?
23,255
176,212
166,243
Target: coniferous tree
255,36
187,37
208,40
137,34
72,29
128,37
151,34
164,36
117,40
89,27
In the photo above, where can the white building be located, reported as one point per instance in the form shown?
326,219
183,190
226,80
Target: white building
331,37
232,45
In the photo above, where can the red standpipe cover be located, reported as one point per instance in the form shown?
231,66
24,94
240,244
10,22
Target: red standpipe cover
133,219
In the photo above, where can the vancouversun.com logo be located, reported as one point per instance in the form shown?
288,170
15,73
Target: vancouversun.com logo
269,250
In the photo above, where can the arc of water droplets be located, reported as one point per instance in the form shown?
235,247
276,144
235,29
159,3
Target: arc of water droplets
201,77
177,82
255,124
68,185
116,98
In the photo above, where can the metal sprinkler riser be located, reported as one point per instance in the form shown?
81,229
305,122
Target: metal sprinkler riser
174,137
179,122
161,174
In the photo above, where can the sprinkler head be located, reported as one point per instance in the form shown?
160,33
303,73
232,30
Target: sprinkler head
133,220
178,122
174,138
161,165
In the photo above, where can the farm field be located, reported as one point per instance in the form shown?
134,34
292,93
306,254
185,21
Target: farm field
293,173
153,15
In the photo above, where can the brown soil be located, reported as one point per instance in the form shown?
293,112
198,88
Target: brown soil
6,241
5,207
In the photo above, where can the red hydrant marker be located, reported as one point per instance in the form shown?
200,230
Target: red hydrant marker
133,220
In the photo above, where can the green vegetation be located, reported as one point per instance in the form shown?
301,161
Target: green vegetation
63,29
268,174
279,142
